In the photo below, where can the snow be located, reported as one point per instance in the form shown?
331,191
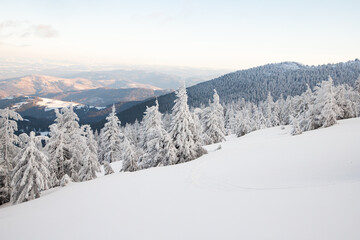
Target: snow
18,105
45,133
98,108
264,185
8,98
51,104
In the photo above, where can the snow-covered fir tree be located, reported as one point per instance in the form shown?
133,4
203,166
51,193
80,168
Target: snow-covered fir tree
213,121
271,112
75,143
296,130
243,123
198,129
132,131
182,130
230,119
8,150
107,168
110,138
65,180
345,100
157,145
57,150
31,173
303,110
66,146
90,163
325,104
357,85
128,156
166,119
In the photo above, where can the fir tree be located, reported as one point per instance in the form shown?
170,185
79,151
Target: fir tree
357,85
157,145
213,119
31,173
325,104
75,143
230,119
243,123
111,138
107,168
296,130
8,150
198,130
182,130
128,156
90,163
57,150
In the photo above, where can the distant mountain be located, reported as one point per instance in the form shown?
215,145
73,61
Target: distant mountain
287,78
162,77
111,76
131,79
102,97
38,113
40,85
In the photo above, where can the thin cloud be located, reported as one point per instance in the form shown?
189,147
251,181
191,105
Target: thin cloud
9,24
45,31
24,29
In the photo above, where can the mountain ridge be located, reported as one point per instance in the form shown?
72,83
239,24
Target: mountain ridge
42,84
253,84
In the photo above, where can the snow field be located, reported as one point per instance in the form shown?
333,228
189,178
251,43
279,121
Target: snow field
264,185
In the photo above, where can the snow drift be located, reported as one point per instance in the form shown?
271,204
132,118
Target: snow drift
265,185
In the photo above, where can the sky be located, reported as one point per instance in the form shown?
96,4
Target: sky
208,34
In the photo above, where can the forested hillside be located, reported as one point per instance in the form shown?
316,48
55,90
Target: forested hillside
287,78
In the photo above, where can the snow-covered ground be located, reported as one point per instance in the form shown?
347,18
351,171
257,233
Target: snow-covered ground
265,185
51,104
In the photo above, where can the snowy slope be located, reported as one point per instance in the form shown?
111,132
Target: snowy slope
265,185
51,104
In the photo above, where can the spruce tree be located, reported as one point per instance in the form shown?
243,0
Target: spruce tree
111,138
73,134
128,156
357,85
8,150
325,104
213,119
296,130
90,163
230,119
57,150
243,123
31,173
182,130
107,168
156,143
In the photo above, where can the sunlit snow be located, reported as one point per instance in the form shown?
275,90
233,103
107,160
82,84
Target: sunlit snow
264,185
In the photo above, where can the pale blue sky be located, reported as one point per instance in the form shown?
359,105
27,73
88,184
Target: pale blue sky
215,34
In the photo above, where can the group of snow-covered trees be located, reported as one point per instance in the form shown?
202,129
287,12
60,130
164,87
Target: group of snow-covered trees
320,107
157,141
30,164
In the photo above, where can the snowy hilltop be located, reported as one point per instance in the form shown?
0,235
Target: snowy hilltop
265,185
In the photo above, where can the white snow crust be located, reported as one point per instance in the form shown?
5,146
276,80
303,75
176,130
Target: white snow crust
264,185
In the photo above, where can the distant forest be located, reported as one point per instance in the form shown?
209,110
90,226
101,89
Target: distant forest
254,84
